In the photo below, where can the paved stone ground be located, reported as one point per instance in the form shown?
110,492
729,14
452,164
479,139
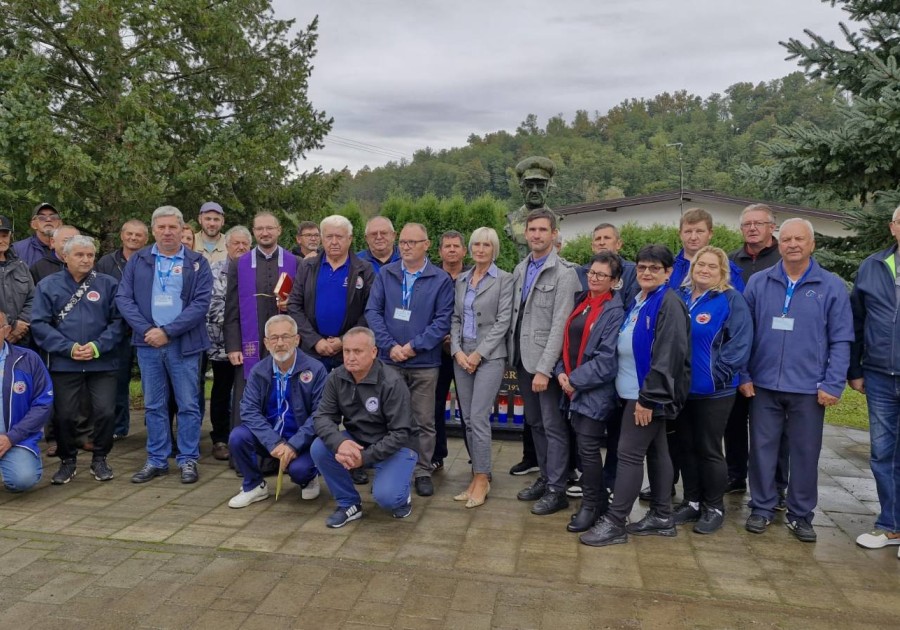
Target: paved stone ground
165,555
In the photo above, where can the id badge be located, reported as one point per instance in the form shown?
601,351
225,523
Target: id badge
163,299
783,323
403,314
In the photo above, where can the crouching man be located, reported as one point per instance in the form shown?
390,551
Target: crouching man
277,408
379,432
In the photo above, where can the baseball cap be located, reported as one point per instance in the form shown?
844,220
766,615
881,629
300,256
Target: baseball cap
5,224
43,206
211,206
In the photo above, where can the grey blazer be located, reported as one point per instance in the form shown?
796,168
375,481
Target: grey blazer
493,312
548,306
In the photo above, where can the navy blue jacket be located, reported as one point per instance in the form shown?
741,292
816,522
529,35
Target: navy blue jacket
595,379
816,353
431,306
305,397
628,282
135,293
31,249
376,264
683,265
94,319
26,394
721,336
875,309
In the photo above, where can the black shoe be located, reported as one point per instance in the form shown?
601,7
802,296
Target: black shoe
101,470
65,474
756,523
583,519
269,466
424,486
524,468
736,486
437,464
553,501
781,506
604,533
711,520
533,492
652,525
646,494
148,472
189,472
802,530
359,476
684,513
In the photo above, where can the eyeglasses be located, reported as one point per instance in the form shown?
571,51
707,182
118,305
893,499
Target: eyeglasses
598,275
412,243
651,268
755,224
279,338
46,218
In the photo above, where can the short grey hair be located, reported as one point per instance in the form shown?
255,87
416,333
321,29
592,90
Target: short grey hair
361,330
78,241
336,221
238,229
758,207
417,225
607,226
804,222
277,319
65,227
896,213
390,225
167,211
488,234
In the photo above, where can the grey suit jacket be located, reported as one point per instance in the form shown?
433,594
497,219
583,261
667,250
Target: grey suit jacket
547,307
493,312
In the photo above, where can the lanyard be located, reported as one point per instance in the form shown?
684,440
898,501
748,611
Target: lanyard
693,303
164,277
789,294
408,289
4,352
281,393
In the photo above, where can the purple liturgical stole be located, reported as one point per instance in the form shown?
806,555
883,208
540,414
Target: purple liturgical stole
247,293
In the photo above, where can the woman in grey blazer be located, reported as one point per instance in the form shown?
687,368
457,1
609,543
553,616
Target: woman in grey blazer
481,318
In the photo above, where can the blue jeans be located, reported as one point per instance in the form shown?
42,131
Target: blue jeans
390,488
883,396
156,364
20,469
245,449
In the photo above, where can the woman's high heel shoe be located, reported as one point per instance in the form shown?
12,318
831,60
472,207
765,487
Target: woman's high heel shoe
474,502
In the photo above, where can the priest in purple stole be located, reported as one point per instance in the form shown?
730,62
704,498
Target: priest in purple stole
250,301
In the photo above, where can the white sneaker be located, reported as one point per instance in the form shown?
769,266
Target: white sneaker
245,497
311,490
876,540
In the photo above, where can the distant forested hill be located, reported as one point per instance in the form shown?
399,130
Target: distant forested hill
618,153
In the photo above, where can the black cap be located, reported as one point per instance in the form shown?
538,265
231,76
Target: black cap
5,224
42,206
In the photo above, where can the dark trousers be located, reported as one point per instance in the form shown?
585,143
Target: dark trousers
636,442
589,438
528,453
122,422
445,377
70,390
699,430
737,445
549,429
801,416
237,392
220,400
246,450
613,429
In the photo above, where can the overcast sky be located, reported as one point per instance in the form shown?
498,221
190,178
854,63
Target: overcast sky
398,76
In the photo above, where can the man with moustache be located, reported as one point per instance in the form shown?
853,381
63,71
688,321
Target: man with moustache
16,287
210,241
44,220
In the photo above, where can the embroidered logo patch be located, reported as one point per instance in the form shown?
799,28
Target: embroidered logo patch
372,405
92,296
305,376
703,318
176,270
19,387
810,293
359,282
196,266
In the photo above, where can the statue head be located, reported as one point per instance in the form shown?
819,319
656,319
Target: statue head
535,174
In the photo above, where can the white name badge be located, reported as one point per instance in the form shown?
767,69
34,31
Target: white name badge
402,314
783,323
163,300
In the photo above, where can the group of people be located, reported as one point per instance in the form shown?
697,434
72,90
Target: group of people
330,363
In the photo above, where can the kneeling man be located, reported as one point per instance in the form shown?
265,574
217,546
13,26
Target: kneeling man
277,408
379,431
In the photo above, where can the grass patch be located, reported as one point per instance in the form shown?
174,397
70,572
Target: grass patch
850,412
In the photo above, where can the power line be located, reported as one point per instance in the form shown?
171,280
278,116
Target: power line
368,148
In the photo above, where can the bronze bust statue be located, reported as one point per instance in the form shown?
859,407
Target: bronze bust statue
535,179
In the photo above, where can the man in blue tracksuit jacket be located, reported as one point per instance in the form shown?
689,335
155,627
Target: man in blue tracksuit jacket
26,402
282,393
798,366
164,296
875,371
81,342
409,311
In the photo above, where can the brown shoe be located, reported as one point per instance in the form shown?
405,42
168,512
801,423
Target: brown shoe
220,451
51,449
